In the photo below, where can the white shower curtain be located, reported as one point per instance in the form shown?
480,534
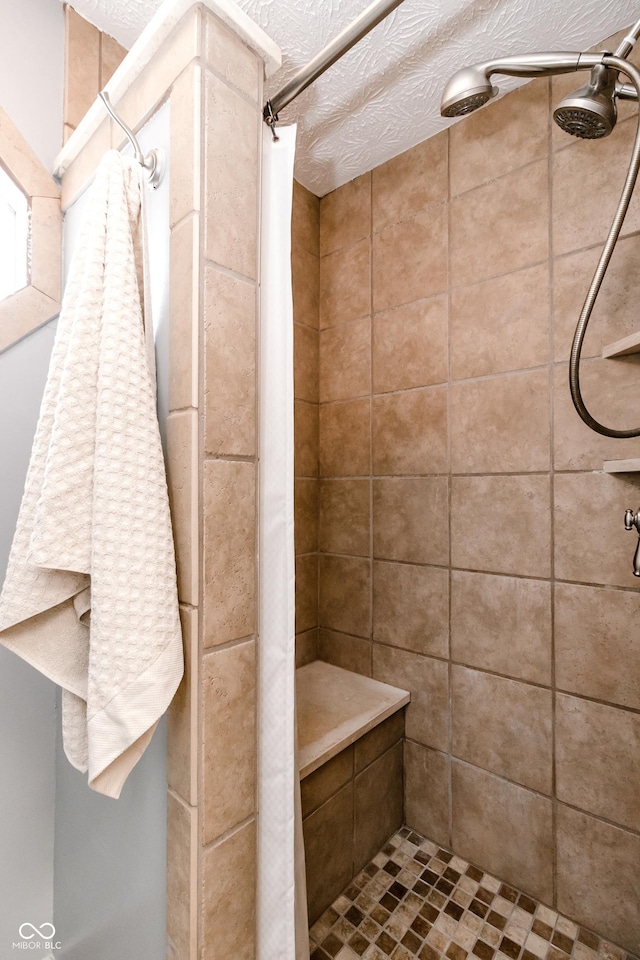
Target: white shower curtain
282,915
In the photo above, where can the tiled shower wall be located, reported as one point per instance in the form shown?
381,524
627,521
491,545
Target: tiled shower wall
471,548
305,268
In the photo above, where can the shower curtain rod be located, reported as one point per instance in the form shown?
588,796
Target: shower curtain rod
348,38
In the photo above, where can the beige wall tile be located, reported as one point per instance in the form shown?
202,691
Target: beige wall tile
183,311
182,717
411,607
582,216
306,364
231,178
186,103
504,827
502,624
324,782
350,653
509,133
501,324
427,716
182,879
373,744
111,56
345,215
182,480
225,53
345,595
615,313
501,424
229,556
306,515
345,517
82,66
410,345
345,284
410,520
345,441
228,738
596,643
598,760
46,244
328,842
345,361
229,896
501,524
306,647
410,260
504,726
229,365
501,226
149,89
598,876
610,392
427,791
379,805
306,439
591,543
305,282
410,432
405,185
305,225
306,593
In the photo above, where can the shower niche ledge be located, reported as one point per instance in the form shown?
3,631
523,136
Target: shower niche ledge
351,757
622,348
622,466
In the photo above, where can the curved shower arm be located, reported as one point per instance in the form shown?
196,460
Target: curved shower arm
622,66
542,64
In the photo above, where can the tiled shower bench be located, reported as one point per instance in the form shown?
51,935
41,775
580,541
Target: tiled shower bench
350,751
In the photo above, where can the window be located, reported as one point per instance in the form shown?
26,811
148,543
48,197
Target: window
14,237
30,238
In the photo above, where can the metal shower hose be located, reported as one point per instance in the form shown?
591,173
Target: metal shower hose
622,66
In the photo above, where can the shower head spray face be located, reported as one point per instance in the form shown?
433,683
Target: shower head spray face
590,112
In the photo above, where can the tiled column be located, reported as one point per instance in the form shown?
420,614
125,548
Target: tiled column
212,430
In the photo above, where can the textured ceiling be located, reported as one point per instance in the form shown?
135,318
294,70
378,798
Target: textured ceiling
383,96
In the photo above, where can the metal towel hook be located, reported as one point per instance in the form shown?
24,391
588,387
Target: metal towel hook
153,162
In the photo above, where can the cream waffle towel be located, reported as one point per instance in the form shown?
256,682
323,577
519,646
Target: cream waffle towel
90,594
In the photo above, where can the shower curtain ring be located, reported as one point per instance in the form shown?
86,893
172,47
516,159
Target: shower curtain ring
271,119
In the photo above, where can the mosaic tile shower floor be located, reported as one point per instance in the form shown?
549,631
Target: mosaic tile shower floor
416,900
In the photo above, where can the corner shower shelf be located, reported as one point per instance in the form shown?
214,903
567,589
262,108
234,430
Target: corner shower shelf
622,466
335,708
622,348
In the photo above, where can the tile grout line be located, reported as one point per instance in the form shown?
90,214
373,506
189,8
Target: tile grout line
554,799
449,498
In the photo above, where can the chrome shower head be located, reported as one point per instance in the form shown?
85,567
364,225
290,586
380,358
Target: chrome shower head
467,90
590,112
471,87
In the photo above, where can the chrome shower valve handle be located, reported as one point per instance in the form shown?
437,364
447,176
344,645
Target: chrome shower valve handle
632,520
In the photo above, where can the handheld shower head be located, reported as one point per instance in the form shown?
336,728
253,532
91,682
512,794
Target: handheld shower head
471,87
467,90
590,112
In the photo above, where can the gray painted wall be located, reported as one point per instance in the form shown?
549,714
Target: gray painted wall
32,72
31,81
110,872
